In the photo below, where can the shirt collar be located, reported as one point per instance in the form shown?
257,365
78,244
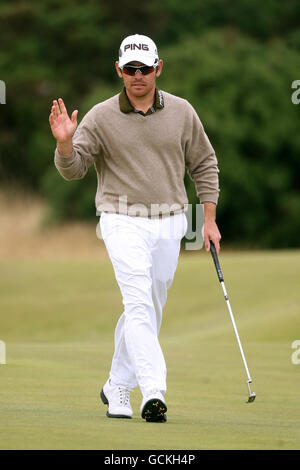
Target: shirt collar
126,106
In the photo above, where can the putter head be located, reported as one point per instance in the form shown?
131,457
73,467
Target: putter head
251,398
251,394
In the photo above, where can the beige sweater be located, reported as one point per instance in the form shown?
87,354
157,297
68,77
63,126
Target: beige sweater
140,160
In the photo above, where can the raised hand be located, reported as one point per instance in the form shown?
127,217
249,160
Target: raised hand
62,126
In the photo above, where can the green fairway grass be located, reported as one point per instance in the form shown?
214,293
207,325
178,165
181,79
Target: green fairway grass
58,319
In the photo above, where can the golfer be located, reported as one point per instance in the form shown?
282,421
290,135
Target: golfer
140,142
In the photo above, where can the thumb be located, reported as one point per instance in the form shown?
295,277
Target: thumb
74,116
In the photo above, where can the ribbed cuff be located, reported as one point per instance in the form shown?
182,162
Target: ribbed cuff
212,197
64,160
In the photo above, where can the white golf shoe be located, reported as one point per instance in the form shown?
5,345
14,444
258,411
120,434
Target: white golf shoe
117,398
153,407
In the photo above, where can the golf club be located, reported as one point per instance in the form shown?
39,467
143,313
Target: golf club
221,279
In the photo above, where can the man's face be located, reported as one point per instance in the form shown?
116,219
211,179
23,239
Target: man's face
139,85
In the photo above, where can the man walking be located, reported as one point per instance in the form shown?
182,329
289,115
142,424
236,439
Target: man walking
140,142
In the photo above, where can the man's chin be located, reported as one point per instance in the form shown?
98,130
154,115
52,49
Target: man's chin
138,90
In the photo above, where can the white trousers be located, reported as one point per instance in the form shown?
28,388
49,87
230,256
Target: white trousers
144,254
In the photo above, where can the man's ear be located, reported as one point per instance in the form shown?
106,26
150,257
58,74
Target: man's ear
119,71
159,68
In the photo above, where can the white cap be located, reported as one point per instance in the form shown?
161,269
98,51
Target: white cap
138,48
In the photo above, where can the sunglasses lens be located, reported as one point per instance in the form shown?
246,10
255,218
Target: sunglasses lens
131,70
147,70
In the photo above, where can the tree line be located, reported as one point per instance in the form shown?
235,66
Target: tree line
235,62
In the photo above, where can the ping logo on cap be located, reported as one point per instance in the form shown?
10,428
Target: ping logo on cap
138,47
132,47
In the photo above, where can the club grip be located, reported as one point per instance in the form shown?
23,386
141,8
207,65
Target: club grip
216,261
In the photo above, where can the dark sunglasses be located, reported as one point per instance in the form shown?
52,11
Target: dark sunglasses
132,69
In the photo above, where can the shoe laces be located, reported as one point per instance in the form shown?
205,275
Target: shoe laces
124,395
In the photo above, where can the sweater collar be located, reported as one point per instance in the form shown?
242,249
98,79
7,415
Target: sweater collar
126,106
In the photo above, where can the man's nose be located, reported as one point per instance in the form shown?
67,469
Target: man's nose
138,74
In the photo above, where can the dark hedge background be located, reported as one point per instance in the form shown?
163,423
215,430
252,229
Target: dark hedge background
234,61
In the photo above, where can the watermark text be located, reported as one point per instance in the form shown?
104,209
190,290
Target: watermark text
296,354
2,352
2,92
296,94
193,236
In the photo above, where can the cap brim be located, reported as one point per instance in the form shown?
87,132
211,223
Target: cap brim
136,57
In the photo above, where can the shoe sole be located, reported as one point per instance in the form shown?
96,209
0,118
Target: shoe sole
109,415
154,411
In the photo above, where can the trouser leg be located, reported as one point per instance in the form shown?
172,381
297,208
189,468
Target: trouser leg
144,265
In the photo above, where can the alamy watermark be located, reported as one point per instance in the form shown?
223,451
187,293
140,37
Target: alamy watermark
296,94
2,92
193,236
2,352
296,354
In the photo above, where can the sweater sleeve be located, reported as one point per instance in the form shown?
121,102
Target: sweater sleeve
86,149
201,160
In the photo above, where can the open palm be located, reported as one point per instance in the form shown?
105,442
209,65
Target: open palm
62,126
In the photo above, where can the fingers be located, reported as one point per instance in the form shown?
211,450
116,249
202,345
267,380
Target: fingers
51,119
62,106
216,242
211,234
54,112
58,107
55,109
206,241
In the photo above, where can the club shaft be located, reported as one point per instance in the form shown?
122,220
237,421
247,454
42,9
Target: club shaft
221,279
235,329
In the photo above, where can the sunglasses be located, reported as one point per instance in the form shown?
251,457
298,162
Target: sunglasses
132,69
